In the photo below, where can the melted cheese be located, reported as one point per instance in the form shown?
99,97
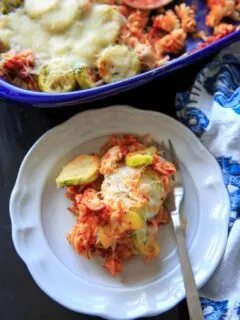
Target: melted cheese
72,30
130,187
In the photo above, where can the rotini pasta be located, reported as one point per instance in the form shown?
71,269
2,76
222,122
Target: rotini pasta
137,21
173,42
167,22
224,28
187,16
146,56
218,11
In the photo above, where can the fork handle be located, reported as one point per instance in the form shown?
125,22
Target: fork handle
193,301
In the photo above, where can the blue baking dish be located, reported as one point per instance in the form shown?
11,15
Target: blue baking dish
40,99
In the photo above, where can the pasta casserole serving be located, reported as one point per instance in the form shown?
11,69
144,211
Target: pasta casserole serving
118,200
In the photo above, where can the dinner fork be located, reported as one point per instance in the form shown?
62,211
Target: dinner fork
173,204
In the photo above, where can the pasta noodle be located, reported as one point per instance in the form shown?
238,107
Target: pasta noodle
224,28
137,21
167,22
146,56
187,16
173,42
16,68
219,10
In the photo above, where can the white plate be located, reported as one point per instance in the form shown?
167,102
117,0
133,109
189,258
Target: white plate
40,219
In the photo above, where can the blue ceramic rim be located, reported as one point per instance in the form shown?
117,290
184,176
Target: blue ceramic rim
10,92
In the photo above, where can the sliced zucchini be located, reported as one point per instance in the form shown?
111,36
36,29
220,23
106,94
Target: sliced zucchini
105,236
82,170
8,5
62,17
117,63
132,221
152,150
35,9
146,244
86,78
151,185
56,76
109,22
140,158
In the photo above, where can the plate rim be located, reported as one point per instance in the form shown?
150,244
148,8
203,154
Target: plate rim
67,123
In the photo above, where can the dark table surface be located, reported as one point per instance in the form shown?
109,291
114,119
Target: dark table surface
20,127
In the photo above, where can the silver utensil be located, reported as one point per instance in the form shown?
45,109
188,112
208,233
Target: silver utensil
173,205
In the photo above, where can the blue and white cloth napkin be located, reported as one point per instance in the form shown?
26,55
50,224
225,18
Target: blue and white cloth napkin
211,109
